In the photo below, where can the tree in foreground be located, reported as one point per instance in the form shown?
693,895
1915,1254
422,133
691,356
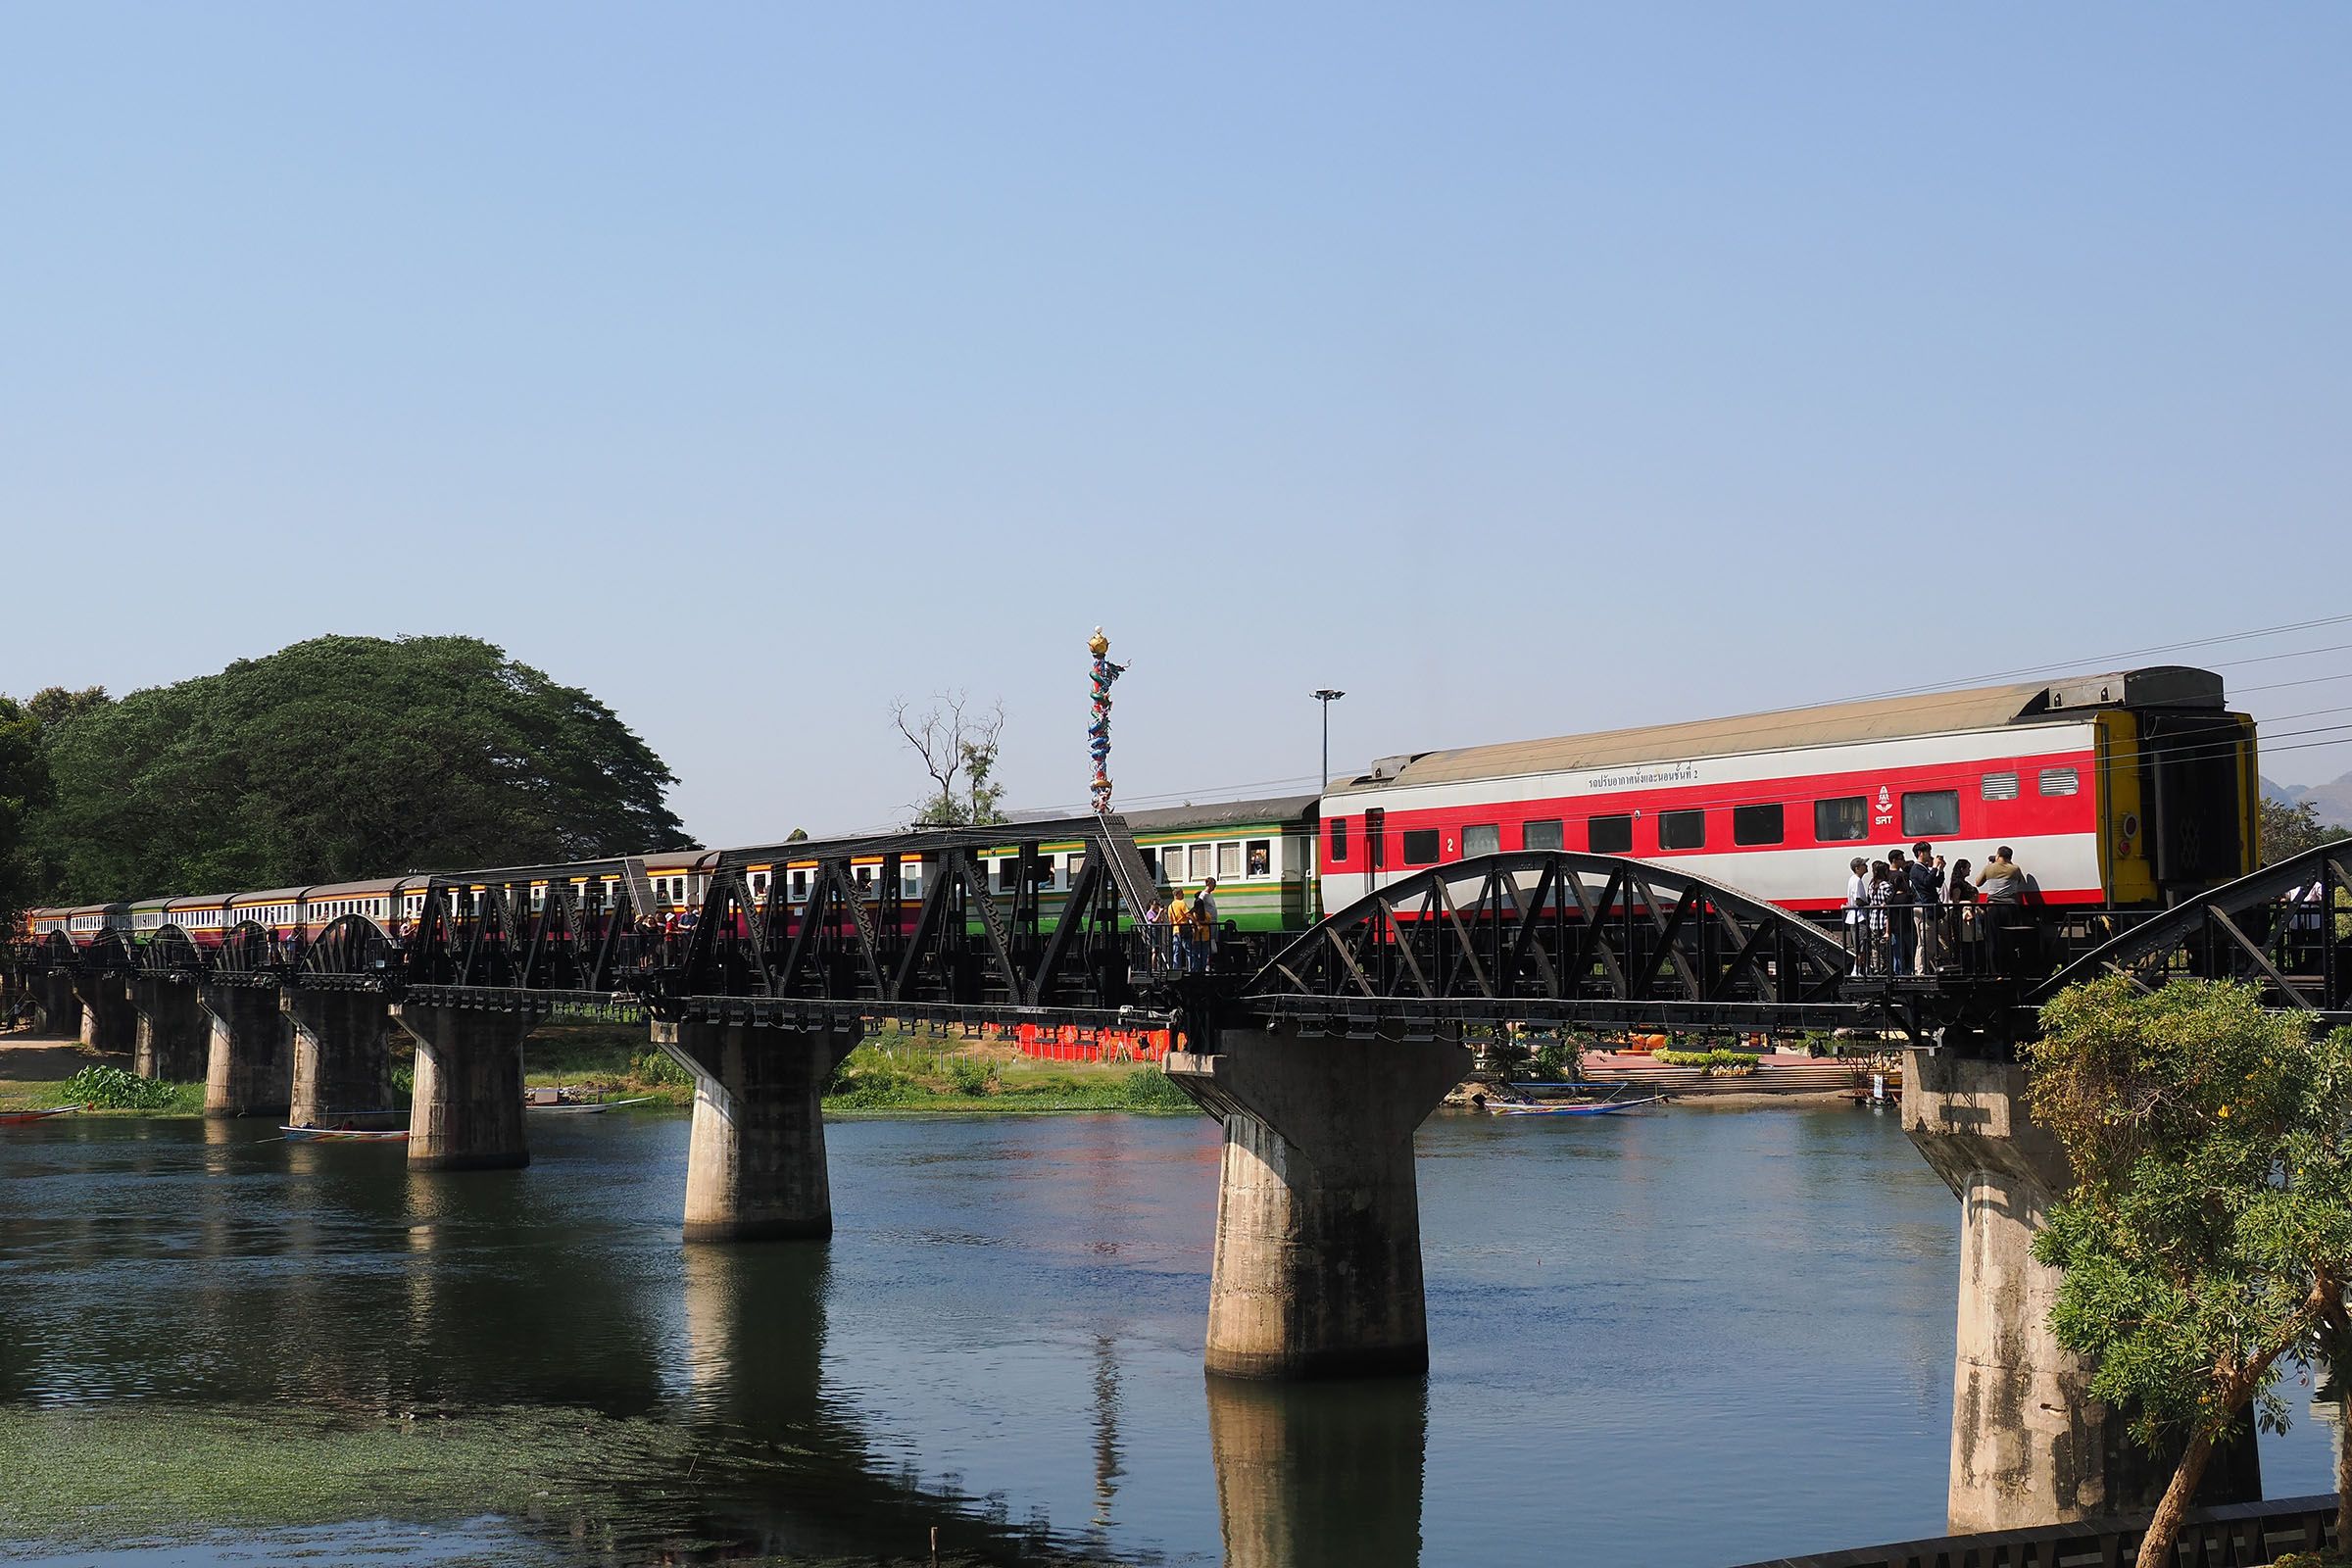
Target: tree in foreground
2208,1238
958,748
339,758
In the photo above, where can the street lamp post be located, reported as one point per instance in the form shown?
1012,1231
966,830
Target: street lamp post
1326,696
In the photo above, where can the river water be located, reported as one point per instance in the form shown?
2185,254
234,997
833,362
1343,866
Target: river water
1695,1337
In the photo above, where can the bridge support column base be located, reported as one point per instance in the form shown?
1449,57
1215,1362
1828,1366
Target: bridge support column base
249,1067
466,1113
172,1036
342,1060
1317,1270
756,1166
56,1005
107,1024
2030,1444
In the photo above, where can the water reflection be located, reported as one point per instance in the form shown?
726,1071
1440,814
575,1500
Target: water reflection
1319,1473
754,1333
1003,1341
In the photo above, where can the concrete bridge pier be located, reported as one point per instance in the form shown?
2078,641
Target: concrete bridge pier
172,1036
756,1167
107,1021
1317,1270
56,1003
2030,1444
342,1058
249,1070
467,1112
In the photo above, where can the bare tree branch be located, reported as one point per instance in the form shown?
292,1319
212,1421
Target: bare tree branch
959,751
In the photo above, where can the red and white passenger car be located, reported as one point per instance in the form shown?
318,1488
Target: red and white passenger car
2128,790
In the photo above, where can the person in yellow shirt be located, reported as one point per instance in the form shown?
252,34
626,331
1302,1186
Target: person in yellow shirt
1180,930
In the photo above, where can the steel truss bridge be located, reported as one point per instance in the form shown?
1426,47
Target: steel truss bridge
1554,939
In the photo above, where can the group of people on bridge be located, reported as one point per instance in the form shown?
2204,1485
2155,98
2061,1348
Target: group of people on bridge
1914,915
1181,935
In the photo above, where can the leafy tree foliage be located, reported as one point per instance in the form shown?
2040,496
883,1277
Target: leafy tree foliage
958,748
2287,831
52,705
2209,1234
339,758
23,789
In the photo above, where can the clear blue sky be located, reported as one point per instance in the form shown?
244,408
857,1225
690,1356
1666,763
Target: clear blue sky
1520,370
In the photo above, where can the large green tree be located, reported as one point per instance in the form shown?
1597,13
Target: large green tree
2209,1233
23,790
338,758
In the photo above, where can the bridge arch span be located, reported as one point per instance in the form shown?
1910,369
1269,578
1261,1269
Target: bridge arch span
352,946
169,950
2286,929
246,948
1558,935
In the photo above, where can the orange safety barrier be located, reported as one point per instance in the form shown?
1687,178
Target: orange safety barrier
1069,1043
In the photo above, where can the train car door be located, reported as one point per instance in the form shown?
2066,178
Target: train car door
2196,768
1376,845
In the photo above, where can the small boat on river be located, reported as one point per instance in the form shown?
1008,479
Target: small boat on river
563,1097
585,1108
1504,1098
1597,1107
346,1135
11,1118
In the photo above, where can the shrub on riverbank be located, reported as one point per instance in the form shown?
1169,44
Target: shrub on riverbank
112,1089
1718,1063
896,1072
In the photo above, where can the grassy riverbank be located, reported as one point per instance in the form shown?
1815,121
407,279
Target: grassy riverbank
891,1074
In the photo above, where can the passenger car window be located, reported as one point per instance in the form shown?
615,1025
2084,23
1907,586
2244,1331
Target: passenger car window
1544,835
1932,813
1258,857
1338,838
2000,786
2060,781
1420,845
1843,820
1612,835
1486,837
1682,830
1756,824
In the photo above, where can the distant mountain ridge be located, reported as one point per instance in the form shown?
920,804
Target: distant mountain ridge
2332,802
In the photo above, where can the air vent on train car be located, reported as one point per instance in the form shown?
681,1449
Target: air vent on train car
2161,686
1388,768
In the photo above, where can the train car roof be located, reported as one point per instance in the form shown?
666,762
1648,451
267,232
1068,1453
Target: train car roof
342,890
613,865
269,896
1877,719
1225,814
97,909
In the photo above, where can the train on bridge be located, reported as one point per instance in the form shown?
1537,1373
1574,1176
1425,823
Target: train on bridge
2128,790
